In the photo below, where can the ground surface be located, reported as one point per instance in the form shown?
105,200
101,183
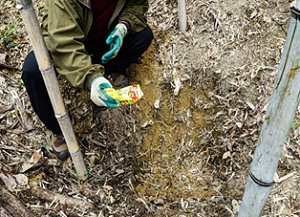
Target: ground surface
186,147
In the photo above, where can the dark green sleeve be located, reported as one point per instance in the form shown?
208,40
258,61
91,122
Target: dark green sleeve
65,41
134,12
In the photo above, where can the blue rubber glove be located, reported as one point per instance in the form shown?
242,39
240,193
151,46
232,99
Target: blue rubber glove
98,95
115,40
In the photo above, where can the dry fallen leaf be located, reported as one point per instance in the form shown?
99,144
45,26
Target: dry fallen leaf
36,156
21,179
223,17
235,206
213,52
2,80
276,177
177,81
9,181
185,77
250,105
25,117
2,58
107,187
92,159
226,155
112,199
284,10
286,177
156,104
165,8
119,171
239,124
150,122
159,202
5,71
36,180
254,13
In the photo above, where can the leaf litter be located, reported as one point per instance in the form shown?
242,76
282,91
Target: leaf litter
186,147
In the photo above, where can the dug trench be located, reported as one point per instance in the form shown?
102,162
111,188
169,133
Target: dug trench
168,165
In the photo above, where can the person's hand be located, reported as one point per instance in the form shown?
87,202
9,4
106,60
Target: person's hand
98,95
115,40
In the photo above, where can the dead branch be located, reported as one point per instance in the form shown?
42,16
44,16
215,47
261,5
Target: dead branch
10,206
50,196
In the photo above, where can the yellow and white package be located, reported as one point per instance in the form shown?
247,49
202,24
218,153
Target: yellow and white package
127,95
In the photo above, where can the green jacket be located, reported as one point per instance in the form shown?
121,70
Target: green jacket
65,25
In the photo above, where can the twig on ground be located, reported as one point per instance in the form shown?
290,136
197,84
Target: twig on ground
50,196
276,21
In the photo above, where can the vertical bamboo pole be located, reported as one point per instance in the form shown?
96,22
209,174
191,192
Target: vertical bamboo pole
182,15
48,72
280,114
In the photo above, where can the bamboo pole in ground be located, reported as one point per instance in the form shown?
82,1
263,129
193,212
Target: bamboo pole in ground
48,72
278,120
182,15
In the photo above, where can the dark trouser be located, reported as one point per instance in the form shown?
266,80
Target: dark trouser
133,47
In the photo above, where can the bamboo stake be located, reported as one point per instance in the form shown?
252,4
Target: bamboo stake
48,72
182,15
280,114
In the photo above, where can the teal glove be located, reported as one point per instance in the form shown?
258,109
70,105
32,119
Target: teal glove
115,40
98,95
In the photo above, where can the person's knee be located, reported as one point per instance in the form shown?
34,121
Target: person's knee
139,42
30,70
147,36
